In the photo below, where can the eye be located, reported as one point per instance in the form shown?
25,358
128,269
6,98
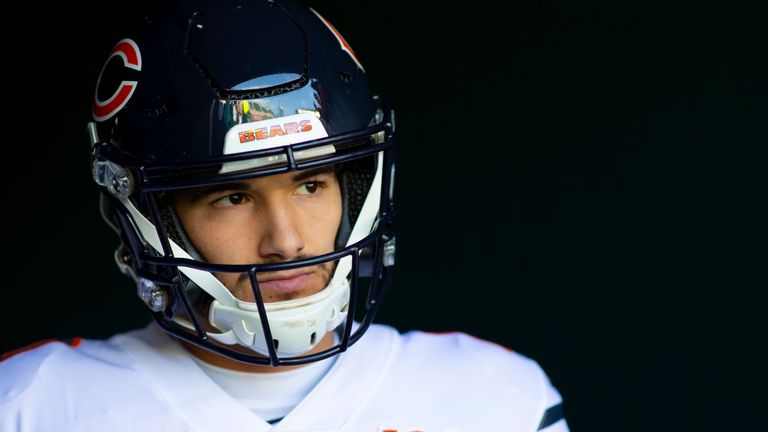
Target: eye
309,187
230,200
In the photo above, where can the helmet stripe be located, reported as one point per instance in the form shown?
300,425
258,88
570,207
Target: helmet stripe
344,45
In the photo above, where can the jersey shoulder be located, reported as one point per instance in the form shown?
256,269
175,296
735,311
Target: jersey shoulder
19,367
55,365
64,380
476,356
471,364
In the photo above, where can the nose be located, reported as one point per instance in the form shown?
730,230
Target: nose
283,236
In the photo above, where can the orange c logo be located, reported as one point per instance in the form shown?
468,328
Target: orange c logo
129,52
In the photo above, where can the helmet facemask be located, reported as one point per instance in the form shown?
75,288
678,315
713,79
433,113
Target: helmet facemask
193,303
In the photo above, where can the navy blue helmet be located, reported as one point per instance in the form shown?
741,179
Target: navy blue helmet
213,92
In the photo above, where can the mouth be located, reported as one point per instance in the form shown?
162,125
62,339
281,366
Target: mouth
282,284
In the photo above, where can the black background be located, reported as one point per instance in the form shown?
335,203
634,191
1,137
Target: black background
582,182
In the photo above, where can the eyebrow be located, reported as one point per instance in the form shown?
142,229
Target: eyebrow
299,176
213,189
309,173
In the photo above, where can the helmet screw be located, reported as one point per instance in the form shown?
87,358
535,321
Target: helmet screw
124,260
389,253
154,296
121,184
112,176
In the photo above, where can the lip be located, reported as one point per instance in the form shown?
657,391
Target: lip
283,282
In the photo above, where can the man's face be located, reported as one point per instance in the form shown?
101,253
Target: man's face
266,220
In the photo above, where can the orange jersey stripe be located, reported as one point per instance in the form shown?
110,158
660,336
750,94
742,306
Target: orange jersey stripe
74,343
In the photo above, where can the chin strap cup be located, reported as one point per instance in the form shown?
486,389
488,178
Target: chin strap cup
295,330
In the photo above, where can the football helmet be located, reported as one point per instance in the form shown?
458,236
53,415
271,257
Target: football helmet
206,93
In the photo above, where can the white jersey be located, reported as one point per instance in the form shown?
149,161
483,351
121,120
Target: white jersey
145,381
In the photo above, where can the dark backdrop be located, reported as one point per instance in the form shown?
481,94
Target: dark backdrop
582,182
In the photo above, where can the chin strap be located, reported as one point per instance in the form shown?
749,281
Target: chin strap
297,325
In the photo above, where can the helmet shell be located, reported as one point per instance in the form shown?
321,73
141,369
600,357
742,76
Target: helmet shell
207,66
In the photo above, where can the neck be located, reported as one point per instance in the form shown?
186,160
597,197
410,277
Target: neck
211,357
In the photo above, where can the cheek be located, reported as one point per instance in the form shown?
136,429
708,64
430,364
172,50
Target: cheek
221,241
328,221
319,221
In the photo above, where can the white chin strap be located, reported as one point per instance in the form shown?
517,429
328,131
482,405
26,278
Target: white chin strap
296,325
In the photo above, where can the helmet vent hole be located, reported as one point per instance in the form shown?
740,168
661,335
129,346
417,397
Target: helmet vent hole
312,338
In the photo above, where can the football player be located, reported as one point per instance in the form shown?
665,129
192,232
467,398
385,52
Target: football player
248,170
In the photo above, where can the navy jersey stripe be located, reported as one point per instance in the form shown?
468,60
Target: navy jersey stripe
551,416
